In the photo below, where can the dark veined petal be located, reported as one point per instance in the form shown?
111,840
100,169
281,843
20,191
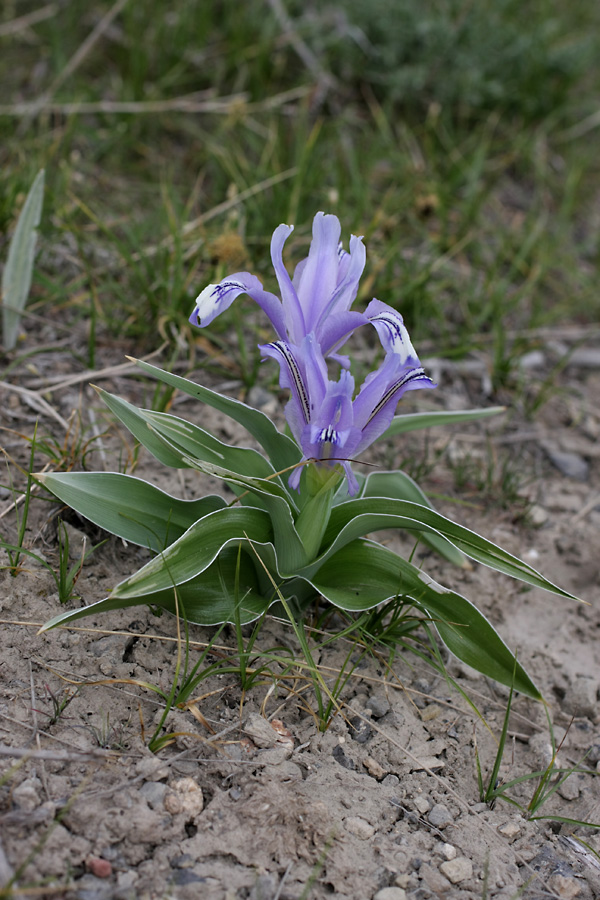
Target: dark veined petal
216,298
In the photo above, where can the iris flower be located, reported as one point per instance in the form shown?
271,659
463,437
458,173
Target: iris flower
313,320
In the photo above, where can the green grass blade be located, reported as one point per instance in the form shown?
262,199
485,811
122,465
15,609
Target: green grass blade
418,421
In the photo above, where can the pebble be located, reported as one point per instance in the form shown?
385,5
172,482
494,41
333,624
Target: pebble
567,888
99,867
572,465
379,705
390,893
457,870
448,851
422,804
359,827
373,768
184,797
430,712
360,731
581,698
433,879
569,789
261,732
27,794
537,515
510,830
440,816
154,792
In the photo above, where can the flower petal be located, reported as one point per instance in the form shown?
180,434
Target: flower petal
216,298
391,330
292,310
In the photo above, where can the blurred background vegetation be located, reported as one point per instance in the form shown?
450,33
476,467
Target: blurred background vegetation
460,138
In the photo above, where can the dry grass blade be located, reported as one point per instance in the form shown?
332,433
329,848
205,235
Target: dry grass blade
54,755
21,23
36,402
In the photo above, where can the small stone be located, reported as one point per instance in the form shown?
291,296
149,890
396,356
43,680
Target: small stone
340,757
154,792
184,797
379,705
567,888
433,879
390,893
439,816
510,830
426,762
359,827
430,712
422,804
261,732
537,515
448,851
593,754
99,867
572,465
373,768
457,870
391,781
569,789
27,794
360,731
581,698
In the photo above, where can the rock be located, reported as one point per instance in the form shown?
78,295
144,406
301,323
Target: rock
572,465
154,792
359,827
422,804
99,867
340,757
27,794
184,797
569,789
391,781
537,515
390,893
510,830
457,870
432,878
430,712
448,851
373,768
439,816
379,705
581,698
360,731
567,888
261,732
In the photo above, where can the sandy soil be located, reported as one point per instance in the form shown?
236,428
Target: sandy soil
382,805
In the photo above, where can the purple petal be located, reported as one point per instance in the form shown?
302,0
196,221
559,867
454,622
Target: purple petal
292,309
216,298
318,277
391,330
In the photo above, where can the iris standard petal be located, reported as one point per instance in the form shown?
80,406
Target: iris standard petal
319,274
292,310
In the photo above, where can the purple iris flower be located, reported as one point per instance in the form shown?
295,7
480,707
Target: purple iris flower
312,321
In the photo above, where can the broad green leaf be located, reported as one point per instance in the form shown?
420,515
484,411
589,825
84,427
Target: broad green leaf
360,517
129,507
275,500
364,574
208,599
204,446
281,450
417,421
400,486
16,278
197,549
134,420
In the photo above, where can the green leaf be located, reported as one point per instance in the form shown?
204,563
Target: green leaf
16,278
400,486
208,599
364,574
281,450
358,517
197,549
129,507
417,421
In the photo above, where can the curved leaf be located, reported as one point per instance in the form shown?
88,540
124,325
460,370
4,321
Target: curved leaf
208,599
417,421
364,574
400,486
197,549
281,450
129,507
358,517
